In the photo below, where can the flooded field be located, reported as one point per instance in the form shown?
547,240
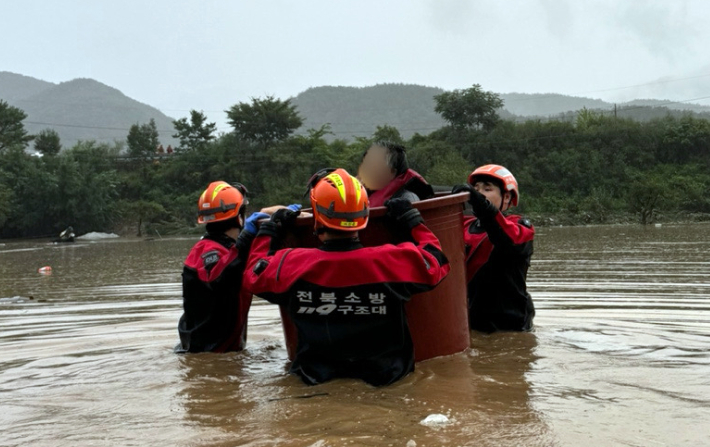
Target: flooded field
620,356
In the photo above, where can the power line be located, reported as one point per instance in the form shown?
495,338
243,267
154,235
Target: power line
566,134
622,109
538,96
645,84
352,132
87,127
542,96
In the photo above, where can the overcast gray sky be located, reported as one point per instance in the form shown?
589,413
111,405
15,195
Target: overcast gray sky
207,55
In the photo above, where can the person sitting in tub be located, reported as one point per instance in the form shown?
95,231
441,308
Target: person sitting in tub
386,175
498,252
214,302
345,300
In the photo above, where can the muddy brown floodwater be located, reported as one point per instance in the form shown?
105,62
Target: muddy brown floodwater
620,356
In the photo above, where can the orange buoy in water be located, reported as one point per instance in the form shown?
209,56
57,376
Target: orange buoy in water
438,320
46,270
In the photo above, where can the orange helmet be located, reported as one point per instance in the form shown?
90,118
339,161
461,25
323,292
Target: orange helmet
501,174
222,201
339,200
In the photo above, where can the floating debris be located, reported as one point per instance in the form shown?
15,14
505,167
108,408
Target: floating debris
94,236
435,420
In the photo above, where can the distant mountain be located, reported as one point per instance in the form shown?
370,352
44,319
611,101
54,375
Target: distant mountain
85,109
545,104
15,86
656,103
552,104
81,109
357,111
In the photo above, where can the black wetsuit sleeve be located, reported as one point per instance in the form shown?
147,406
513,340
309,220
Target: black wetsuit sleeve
503,233
263,268
244,244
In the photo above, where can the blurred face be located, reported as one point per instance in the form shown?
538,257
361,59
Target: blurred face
493,193
374,172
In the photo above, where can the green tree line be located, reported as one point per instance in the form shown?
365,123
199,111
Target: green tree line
595,168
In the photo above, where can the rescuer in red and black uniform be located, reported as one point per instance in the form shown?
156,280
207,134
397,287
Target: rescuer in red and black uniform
215,305
498,251
346,300
385,173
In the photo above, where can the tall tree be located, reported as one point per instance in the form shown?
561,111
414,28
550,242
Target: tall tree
47,142
12,131
264,121
143,140
388,133
471,108
195,134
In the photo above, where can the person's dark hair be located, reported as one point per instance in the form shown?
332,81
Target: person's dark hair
491,180
223,225
396,156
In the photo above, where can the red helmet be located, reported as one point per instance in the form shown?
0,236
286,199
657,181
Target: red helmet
339,200
502,175
221,201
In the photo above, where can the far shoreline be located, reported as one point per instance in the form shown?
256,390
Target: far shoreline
539,220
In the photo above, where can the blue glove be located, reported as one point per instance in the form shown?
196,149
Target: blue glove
250,225
295,207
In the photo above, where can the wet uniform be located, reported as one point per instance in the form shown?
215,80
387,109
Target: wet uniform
498,251
408,185
215,305
347,302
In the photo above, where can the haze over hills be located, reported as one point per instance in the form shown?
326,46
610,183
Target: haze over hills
357,111
80,109
16,86
546,104
85,109
552,104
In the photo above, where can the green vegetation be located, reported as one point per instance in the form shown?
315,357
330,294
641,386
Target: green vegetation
595,168
355,112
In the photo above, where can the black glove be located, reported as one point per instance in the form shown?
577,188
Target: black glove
285,217
403,213
275,228
462,188
269,228
481,206
278,223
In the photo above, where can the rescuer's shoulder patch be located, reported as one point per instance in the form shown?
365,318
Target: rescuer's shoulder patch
525,222
210,259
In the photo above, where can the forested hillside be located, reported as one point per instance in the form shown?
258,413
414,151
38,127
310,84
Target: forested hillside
591,167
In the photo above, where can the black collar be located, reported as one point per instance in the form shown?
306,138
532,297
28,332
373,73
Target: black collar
347,244
220,238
